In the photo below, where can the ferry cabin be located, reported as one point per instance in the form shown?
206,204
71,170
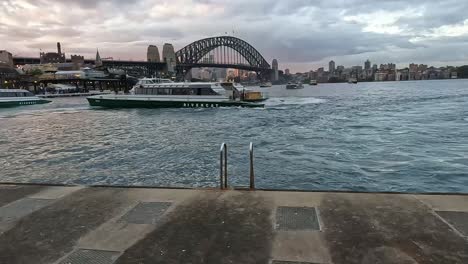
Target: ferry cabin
18,97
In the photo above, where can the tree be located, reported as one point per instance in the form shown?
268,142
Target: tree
35,72
462,71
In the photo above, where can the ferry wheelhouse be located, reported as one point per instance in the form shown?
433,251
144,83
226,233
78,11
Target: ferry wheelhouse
19,97
148,94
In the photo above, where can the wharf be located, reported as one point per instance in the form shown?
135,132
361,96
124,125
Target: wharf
77,224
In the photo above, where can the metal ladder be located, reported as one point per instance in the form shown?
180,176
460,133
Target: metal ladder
223,178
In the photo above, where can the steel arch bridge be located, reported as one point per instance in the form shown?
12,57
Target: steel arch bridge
226,52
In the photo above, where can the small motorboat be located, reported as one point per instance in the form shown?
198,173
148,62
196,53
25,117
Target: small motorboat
294,86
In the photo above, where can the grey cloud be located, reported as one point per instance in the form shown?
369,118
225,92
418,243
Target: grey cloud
300,32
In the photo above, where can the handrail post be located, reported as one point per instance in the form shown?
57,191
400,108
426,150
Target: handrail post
252,175
225,167
221,166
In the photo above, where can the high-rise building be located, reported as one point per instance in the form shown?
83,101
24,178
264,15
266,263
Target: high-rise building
287,72
374,67
6,58
274,66
152,54
331,66
367,65
169,57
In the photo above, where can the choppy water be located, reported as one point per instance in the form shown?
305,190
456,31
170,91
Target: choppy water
408,136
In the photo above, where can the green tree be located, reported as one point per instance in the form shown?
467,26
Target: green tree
35,72
462,71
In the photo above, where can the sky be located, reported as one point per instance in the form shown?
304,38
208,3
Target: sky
302,34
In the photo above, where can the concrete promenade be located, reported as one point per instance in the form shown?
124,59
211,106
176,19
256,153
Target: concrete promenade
54,224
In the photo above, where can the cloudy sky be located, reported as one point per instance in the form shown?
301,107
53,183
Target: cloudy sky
301,34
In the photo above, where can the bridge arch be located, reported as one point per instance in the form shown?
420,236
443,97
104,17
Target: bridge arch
191,54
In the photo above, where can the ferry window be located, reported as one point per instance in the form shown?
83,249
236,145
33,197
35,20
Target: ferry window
162,91
207,91
183,91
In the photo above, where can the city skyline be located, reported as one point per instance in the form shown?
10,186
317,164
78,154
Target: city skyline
302,36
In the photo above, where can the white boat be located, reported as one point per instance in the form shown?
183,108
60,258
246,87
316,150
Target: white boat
293,86
352,80
19,97
313,82
147,94
266,84
160,80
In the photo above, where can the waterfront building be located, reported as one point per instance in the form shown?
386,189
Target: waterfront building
374,67
274,66
413,67
367,65
169,57
6,58
77,61
98,61
53,57
422,67
7,74
380,76
152,54
331,67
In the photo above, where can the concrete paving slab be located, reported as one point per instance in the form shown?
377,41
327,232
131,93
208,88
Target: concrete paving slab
55,192
146,213
445,202
294,199
17,209
115,236
209,229
161,195
368,229
300,247
46,235
10,193
458,219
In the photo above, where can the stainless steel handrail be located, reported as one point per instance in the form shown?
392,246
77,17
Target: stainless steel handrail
223,166
252,175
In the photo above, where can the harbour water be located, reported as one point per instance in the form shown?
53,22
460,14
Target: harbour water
393,136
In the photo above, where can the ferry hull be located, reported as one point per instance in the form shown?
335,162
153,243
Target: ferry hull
5,104
123,103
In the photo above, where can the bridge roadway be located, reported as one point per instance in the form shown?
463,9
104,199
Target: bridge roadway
77,224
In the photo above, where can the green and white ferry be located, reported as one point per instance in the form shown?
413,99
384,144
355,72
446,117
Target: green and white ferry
148,94
19,97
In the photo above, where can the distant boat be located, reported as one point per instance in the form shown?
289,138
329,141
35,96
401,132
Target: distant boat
313,82
352,80
19,97
294,86
266,84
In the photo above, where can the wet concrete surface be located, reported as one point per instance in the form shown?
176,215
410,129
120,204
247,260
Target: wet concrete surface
10,193
388,229
213,228
458,219
220,227
46,235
